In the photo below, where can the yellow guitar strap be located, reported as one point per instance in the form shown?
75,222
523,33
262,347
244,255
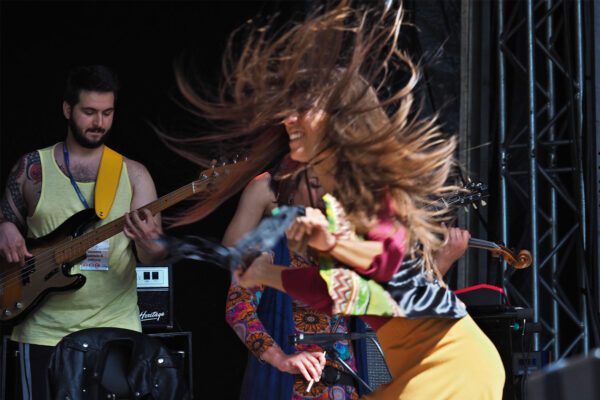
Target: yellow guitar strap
107,181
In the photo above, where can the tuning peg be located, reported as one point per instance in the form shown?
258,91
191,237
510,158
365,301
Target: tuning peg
475,206
483,203
466,209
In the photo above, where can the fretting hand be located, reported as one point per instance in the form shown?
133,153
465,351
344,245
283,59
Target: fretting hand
141,227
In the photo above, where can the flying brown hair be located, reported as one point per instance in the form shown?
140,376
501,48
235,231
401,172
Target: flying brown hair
345,61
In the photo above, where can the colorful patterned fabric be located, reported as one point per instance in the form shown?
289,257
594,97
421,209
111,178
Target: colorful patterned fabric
351,293
243,309
354,295
408,293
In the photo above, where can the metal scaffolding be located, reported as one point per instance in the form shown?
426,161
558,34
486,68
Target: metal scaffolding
541,187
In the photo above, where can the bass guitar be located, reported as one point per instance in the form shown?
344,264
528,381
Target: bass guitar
22,288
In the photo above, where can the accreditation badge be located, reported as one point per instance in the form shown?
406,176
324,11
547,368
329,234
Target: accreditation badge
96,257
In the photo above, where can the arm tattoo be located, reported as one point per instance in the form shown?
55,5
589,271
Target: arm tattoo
9,215
31,166
34,167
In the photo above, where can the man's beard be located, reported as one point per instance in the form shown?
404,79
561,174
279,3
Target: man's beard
83,141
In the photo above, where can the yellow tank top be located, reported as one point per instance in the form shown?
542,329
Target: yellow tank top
108,298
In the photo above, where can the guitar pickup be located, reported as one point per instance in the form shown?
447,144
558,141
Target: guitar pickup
25,273
51,274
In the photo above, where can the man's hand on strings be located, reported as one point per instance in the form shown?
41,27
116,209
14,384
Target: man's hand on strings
12,244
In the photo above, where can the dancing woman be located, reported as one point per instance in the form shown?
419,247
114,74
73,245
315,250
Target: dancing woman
329,87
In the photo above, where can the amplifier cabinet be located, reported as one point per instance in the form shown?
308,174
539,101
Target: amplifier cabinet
155,296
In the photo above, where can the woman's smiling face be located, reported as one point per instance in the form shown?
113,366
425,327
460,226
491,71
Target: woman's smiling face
305,131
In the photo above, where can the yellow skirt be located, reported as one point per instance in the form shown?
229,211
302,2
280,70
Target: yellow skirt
439,359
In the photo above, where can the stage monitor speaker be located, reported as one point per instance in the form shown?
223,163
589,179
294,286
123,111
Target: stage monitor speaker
573,379
155,296
378,371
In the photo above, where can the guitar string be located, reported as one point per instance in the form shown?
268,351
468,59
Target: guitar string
64,248
40,261
76,243
44,265
113,228
111,232
176,196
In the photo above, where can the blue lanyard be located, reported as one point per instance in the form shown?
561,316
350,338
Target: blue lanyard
66,153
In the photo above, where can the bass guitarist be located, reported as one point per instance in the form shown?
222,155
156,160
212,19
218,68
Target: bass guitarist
48,186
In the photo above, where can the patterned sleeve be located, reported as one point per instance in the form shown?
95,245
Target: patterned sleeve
386,231
241,315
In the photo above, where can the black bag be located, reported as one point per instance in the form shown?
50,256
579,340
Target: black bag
113,363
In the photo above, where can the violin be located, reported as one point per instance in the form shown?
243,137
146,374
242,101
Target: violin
471,194
522,260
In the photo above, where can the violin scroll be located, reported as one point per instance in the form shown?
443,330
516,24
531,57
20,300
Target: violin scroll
524,259
521,261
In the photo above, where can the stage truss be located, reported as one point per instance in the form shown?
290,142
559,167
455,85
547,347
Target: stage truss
546,201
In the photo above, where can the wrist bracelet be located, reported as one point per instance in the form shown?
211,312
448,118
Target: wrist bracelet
330,249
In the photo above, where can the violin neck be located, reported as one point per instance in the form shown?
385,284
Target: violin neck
482,244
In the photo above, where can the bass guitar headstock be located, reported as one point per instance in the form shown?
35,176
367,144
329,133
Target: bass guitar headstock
216,173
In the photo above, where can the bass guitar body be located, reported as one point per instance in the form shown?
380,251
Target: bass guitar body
22,288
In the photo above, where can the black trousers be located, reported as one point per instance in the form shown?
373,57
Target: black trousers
34,360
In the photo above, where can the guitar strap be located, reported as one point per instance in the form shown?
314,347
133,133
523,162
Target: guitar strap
107,181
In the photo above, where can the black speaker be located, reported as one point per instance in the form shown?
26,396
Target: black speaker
155,296
572,379
508,328
377,369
